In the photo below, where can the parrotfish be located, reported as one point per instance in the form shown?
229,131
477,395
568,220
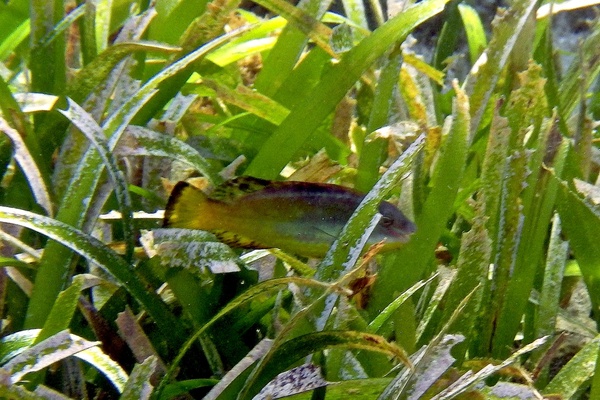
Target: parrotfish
302,218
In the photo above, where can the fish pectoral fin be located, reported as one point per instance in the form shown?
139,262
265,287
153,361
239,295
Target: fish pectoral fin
328,234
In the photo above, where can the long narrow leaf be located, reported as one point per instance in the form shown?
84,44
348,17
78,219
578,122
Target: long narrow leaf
335,83
485,73
140,141
412,261
581,225
45,353
97,252
29,168
76,202
95,135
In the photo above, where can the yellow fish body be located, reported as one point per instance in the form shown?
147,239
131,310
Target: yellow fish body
298,217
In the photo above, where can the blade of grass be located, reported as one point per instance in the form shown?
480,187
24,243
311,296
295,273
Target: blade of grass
74,208
17,119
547,310
86,124
481,81
576,373
472,265
474,30
97,252
288,49
27,163
538,205
310,112
45,353
253,292
355,11
581,225
388,312
138,386
292,350
413,259
375,147
63,310
44,15
14,39
140,141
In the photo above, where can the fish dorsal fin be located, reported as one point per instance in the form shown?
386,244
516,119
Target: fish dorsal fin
235,188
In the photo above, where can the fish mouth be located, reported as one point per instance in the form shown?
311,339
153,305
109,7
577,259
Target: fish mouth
400,237
401,234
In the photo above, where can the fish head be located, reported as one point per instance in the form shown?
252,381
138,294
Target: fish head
394,226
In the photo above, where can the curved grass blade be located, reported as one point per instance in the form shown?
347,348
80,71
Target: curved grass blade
474,30
103,363
304,378
140,141
65,23
95,251
231,384
11,262
86,124
292,350
29,167
387,312
11,41
16,343
430,363
96,72
576,373
45,353
138,387
436,211
257,290
251,101
76,202
225,56
296,16
581,224
468,380
193,250
312,110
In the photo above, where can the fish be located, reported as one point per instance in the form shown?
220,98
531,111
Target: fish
301,218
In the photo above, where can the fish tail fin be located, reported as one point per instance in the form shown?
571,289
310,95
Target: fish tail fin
184,208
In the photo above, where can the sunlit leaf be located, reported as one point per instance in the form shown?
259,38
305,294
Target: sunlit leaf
98,253
138,386
576,373
45,353
335,83
474,29
29,168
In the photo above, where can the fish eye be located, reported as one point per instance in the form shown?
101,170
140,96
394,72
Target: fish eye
386,221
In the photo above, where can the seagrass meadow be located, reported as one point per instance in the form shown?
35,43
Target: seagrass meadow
474,121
